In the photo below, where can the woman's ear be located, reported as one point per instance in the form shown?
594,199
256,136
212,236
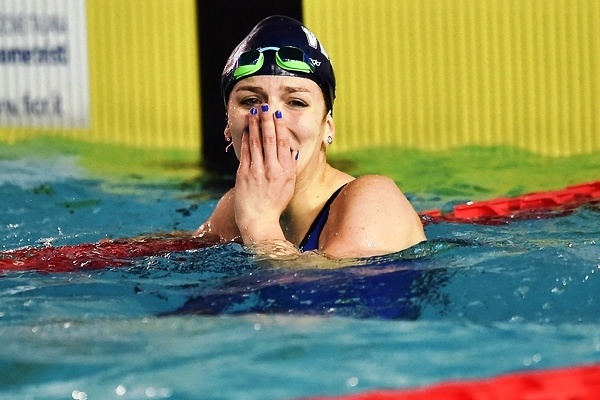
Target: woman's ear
227,133
329,130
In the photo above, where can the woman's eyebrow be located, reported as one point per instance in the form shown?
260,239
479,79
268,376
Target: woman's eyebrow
294,89
250,88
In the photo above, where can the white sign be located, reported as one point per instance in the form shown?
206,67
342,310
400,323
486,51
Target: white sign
43,64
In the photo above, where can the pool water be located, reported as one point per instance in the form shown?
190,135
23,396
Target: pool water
213,323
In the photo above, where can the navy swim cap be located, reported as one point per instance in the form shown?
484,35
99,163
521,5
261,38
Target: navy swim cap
280,45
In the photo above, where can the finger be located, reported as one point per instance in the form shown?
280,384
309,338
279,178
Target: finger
269,136
284,154
244,153
254,139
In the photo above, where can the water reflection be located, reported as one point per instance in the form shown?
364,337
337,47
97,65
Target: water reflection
389,287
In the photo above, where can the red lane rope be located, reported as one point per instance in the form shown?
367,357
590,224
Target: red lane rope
87,256
531,205
574,383
115,253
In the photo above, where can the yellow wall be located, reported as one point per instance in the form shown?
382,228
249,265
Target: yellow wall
435,74
427,74
143,67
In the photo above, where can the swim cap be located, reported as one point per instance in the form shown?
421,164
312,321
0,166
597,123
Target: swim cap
280,45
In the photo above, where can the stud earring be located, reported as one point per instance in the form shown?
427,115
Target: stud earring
329,139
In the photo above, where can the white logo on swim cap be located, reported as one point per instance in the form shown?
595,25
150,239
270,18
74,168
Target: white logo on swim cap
314,42
311,38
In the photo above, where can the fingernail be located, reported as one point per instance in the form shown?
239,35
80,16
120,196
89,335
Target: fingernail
297,154
264,107
278,114
253,111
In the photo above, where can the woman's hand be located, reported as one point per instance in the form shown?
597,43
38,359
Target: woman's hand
265,178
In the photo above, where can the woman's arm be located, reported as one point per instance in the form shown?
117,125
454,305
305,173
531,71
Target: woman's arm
370,217
221,225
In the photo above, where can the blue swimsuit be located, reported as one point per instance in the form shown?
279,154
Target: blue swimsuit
311,240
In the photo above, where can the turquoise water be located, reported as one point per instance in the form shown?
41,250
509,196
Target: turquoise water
212,323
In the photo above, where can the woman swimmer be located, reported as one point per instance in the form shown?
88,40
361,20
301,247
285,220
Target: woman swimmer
278,86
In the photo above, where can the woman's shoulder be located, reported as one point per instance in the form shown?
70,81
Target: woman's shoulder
379,180
371,195
371,216
371,186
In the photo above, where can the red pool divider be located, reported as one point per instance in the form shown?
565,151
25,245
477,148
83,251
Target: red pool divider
536,204
574,383
122,252
89,256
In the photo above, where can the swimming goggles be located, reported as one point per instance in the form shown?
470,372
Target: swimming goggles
287,57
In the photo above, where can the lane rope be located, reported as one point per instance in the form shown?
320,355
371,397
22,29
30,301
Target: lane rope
567,383
531,205
122,252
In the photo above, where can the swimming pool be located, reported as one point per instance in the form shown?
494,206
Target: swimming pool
476,301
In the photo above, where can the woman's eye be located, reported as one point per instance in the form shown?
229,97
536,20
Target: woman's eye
250,101
298,103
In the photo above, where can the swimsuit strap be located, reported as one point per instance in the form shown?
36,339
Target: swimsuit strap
311,240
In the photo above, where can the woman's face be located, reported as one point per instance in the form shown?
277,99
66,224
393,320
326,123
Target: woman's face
299,99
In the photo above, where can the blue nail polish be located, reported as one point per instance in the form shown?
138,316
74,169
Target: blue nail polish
264,107
278,114
297,154
253,111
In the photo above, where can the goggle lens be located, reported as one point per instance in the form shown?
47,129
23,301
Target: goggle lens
288,58
248,63
293,59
